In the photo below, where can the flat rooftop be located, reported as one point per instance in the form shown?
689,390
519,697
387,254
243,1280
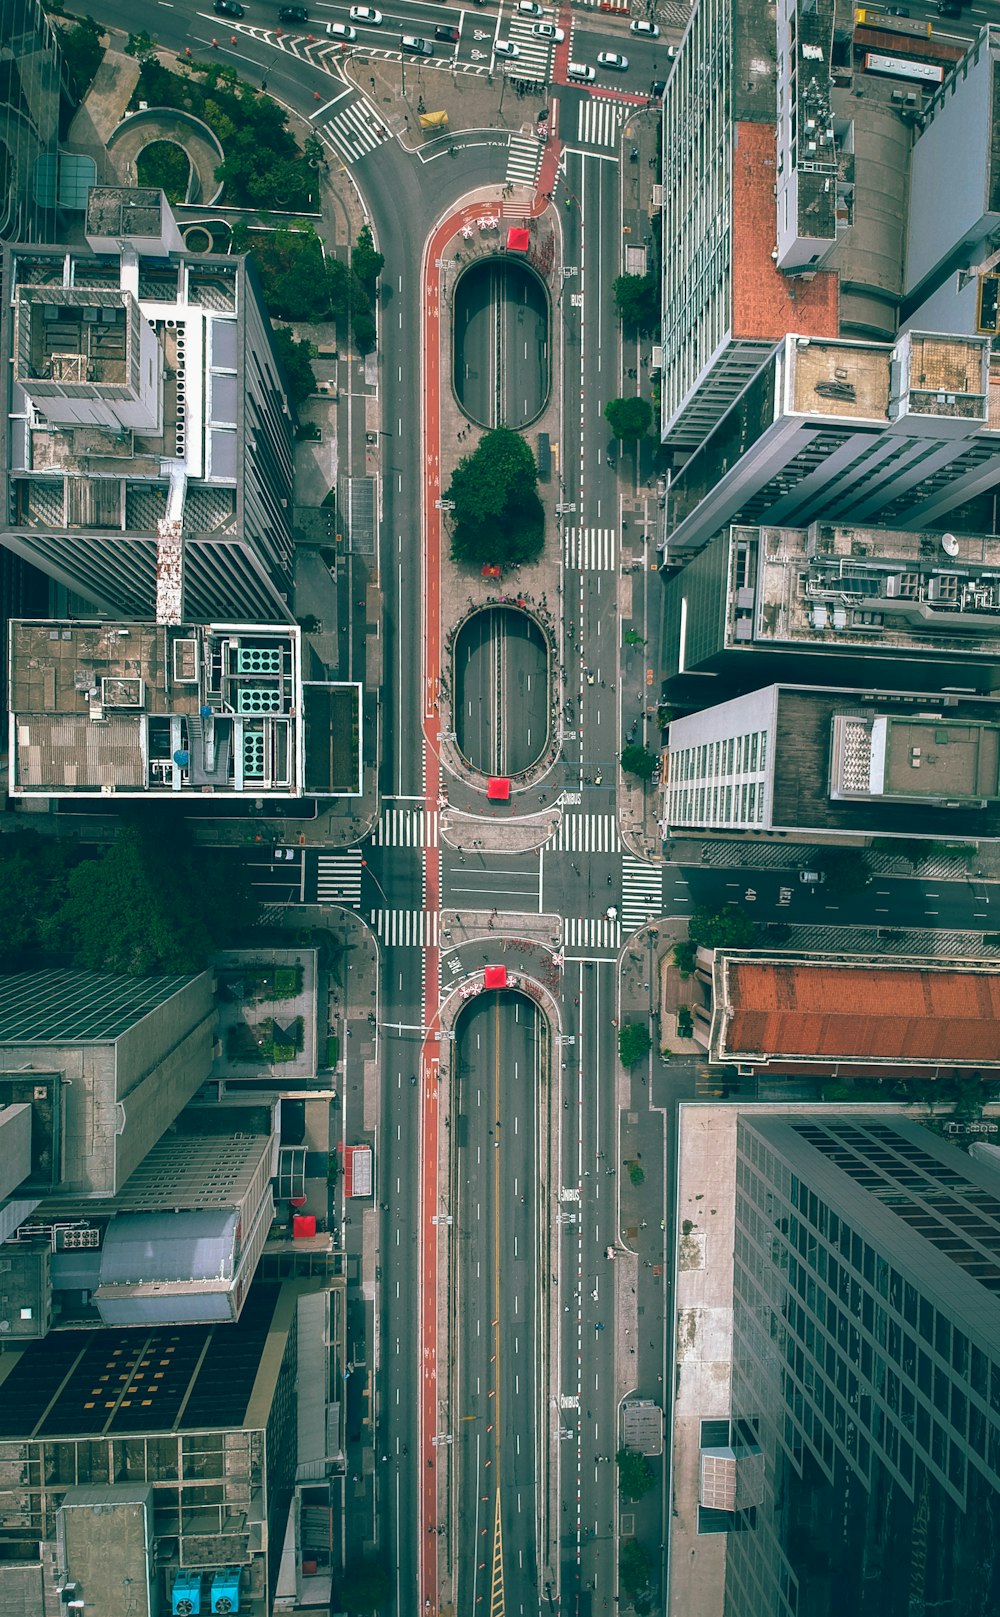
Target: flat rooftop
766,303
838,379
124,210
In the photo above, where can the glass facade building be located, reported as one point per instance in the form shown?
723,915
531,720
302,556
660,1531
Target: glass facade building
866,1369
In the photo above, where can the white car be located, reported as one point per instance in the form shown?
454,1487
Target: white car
580,70
613,59
368,15
342,30
530,8
503,47
648,30
548,30
285,853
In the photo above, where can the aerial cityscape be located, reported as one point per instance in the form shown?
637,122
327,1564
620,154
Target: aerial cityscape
499,1000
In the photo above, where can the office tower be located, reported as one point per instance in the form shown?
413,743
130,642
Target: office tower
147,441
837,1412
815,761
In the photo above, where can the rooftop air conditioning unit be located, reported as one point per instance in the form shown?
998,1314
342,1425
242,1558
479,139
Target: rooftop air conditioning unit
226,1591
185,1596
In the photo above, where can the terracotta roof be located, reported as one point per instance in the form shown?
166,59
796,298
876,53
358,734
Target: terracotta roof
765,302
862,1012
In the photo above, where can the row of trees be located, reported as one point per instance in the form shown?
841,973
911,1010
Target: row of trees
497,518
151,902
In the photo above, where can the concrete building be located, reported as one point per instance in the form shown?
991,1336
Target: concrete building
871,605
822,1015
143,1467
816,762
836,1444
147,440
901,434
35,109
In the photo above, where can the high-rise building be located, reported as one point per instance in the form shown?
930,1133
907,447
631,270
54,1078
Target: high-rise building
815,761
147,441
865,605
836,1436
143,1468
35,108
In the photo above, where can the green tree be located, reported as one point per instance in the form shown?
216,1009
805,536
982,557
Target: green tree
728,928
141,46
634,1043
364,1586
365,261
636,760
846,869
498,517
684,960
33,875
638,300
635,1566
83,53
296,358
629,419
166,166
635,1474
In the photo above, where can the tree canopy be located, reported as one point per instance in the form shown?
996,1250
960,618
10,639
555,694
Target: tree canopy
728,928
498,517
638,300
635,1566
629,419
846,869
636,760
152,901
635,1474
363,1586
633,1043
296,357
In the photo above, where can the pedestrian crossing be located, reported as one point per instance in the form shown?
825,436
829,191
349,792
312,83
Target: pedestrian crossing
591,550
534,54
402,929
599,121
406,828
581,932
524,159
587,833
354,130
642,892
338,878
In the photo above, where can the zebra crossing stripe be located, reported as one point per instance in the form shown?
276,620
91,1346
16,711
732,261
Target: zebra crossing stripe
338,878
407,828
591,549
642,891
588,833
599,121
524,159
587,933
354,131
401,929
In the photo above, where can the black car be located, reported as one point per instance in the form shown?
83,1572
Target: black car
293,14
443,31
229,8
949,8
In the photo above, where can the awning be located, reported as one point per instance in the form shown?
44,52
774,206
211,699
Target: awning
518,239
498,790
495,977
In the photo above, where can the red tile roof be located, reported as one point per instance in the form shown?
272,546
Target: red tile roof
765,302
861,1012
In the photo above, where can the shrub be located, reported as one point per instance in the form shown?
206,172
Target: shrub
166,166
684,958
636,1173
685,1022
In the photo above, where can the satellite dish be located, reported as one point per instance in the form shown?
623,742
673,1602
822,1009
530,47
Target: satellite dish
949,544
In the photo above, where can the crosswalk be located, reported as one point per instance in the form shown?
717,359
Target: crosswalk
591,550
401,929
585,933
406,828
534,58
599,122
354,130
524,158
642,892
338,878
587,833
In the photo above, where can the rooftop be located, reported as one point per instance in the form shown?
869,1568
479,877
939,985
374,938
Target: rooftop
77,1007
863,1010
124,210
143,708
766,303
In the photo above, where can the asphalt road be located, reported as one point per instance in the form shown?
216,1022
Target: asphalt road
497,1215
501,337
500,683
